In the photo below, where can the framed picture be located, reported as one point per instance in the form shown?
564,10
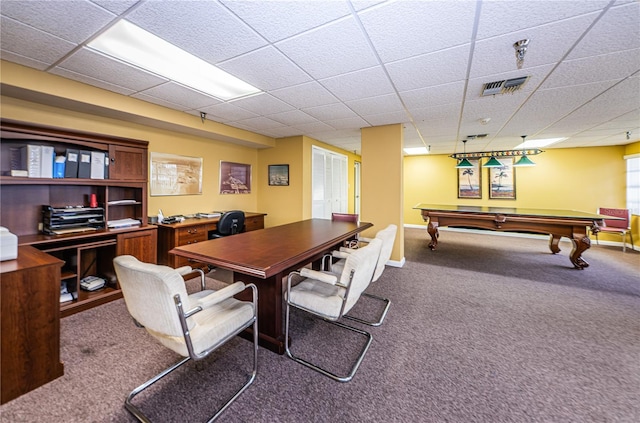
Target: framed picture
279,175
502,181
235,178
175,175
469,180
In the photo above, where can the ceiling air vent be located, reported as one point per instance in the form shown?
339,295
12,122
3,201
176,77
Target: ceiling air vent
503,87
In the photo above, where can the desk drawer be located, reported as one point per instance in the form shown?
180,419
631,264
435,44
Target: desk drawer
253,223
192,234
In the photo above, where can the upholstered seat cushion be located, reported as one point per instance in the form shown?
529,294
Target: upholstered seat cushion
212,325
322,298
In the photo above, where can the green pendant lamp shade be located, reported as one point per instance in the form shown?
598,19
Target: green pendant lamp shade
493,162
464,163
524,160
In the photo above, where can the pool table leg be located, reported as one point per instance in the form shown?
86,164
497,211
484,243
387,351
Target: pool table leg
580,244
432,228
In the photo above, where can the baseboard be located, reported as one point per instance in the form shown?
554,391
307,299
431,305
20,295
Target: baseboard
396,263
519,235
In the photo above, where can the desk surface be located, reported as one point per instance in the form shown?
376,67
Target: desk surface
515,211
266,252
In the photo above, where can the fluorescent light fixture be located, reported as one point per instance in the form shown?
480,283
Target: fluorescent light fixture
538,143
133,45
414,151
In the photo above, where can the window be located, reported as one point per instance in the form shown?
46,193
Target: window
633,183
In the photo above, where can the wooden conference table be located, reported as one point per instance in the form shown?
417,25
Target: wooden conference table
557,223
266,256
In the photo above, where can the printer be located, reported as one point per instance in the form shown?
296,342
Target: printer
8,245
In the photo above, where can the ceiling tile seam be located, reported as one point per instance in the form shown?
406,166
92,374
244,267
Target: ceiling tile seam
558,63
314,28
589,101
103,29
472,44
386,72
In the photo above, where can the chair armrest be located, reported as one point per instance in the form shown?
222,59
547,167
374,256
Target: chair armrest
185,270
363,239
340,254
221,295
319,276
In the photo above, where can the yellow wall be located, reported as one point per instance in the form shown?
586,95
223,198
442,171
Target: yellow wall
573,179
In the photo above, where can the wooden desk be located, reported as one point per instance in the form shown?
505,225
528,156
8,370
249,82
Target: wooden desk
557,223
191,231
266,256
30,322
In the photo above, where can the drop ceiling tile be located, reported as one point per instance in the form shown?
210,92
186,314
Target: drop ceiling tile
375,105
499,17
387,118
309,94
617,30
92,81
434,95
204,28
227,112
266,69
256,124
359,84
31,44
431,69
313,127
403,29
262,104
22,60
161,102
181,97
594,69
74,21
277,20
97,66
347,123
330,112
115,6
330,50
292,117
282,132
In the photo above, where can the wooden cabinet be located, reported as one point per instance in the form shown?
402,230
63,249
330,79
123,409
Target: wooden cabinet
191,231
30,324
122,194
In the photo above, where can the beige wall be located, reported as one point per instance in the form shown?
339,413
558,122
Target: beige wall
382,192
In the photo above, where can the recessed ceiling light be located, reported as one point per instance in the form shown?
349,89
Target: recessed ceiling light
133,45
414,151
538,143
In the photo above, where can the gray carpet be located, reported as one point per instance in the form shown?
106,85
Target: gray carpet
483,329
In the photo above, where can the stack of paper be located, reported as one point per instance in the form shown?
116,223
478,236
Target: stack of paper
123,223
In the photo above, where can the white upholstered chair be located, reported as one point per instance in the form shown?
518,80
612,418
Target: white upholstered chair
387,236
191,325
330,296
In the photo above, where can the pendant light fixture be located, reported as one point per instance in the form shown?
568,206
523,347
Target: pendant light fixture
493,162
464,163
524,160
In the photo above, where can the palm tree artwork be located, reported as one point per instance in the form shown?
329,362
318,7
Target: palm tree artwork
469,183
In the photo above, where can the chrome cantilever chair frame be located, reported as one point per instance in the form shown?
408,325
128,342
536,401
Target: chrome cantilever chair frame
386,301
194,356
204,298
332,321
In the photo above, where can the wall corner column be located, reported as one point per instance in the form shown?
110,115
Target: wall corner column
382,181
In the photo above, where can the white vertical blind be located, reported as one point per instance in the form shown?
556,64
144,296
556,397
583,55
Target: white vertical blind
633,183
329,183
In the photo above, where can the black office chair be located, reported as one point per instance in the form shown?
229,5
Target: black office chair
230,223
